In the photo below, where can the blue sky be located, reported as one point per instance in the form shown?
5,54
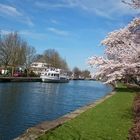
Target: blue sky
74,28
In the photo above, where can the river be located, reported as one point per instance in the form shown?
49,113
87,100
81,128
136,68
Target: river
23,105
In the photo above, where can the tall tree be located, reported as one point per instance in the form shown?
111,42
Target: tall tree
63,64
29,55
6,48
122,55
14,51
52,57
38,58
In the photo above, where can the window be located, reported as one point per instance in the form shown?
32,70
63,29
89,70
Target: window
34,64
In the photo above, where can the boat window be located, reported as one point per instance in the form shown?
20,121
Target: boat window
34,64
52,74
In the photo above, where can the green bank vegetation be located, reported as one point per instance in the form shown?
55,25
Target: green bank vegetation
110,120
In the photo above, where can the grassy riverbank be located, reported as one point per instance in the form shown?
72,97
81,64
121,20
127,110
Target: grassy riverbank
109,120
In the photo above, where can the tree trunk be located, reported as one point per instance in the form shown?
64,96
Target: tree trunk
12,71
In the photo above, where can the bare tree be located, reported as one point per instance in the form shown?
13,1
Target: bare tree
14,51
85,74
76,73
29,55
53,58
6,48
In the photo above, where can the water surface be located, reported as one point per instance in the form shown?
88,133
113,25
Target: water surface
23,105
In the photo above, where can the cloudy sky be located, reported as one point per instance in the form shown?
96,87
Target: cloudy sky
74,28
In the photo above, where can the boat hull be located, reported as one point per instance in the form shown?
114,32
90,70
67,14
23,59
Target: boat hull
55,80
54,76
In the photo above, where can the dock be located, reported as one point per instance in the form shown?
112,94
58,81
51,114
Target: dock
20,79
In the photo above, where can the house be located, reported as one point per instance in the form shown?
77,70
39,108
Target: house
38,67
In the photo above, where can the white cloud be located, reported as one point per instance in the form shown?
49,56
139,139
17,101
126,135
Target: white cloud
27,33
4,32
107,9
54,21
59,4
34,35
11,11
58,31
27,21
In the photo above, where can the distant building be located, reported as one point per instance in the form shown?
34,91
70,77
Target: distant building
38,67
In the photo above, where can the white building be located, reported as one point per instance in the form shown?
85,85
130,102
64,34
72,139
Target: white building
38,67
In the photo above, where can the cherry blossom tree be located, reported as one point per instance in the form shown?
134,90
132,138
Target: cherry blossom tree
122,55
133,3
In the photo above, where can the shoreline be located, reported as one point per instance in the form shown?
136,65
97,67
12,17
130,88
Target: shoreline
40,129
20,79
28,79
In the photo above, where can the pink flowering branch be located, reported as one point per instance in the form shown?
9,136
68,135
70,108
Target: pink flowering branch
122,54
134,3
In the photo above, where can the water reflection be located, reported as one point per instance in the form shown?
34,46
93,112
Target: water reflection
23,105
49,88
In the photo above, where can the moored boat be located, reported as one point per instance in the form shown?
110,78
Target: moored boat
53,75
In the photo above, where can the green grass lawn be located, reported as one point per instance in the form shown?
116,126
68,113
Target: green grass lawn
109,120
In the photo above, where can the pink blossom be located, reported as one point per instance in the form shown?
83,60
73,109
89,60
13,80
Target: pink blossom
122,54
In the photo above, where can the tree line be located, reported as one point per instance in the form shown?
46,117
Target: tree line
15,52
53,58
80,74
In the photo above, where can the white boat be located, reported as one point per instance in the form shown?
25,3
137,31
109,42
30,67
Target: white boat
53,75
